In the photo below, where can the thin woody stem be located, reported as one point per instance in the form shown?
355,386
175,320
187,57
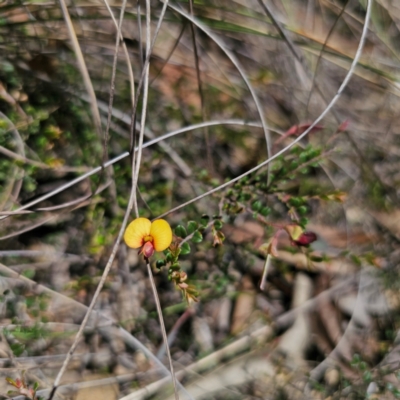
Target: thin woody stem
162,325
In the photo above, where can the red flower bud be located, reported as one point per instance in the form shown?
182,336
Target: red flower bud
147,249
306,238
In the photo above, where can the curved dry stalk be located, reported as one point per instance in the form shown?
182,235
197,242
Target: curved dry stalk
8,213
76,201
314,80
147,60
144,68
135,178
90,90
120,157
200,89
82,67
81,203
162,325
114,68
71,183
139,24
305,133
13,186
138,159
239,68
168,57
128,60
38,164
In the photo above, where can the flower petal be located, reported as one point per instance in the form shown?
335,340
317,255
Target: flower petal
161,233
136,231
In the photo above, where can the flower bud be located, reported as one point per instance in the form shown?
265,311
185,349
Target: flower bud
147,249
306,238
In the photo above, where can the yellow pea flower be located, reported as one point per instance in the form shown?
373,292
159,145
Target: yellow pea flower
149,236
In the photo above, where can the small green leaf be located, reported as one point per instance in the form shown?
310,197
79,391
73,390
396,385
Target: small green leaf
17,349
180,231
305,170
293,165
197,237
295,201
302,210
355,360
35,386
303,157
303,222
367,376
160,264
169,256
218,224
245,197
191,227
175,267
362,365
185,249
256,206
265,211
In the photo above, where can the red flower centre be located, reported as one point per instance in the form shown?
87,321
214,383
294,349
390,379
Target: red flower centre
147,249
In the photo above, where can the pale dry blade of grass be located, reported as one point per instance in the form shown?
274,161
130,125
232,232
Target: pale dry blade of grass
114,69
166,61
72,206
142,77
71,183
138,155
128,62
13,185
82,68
163,330
140,35
314,82
200,88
